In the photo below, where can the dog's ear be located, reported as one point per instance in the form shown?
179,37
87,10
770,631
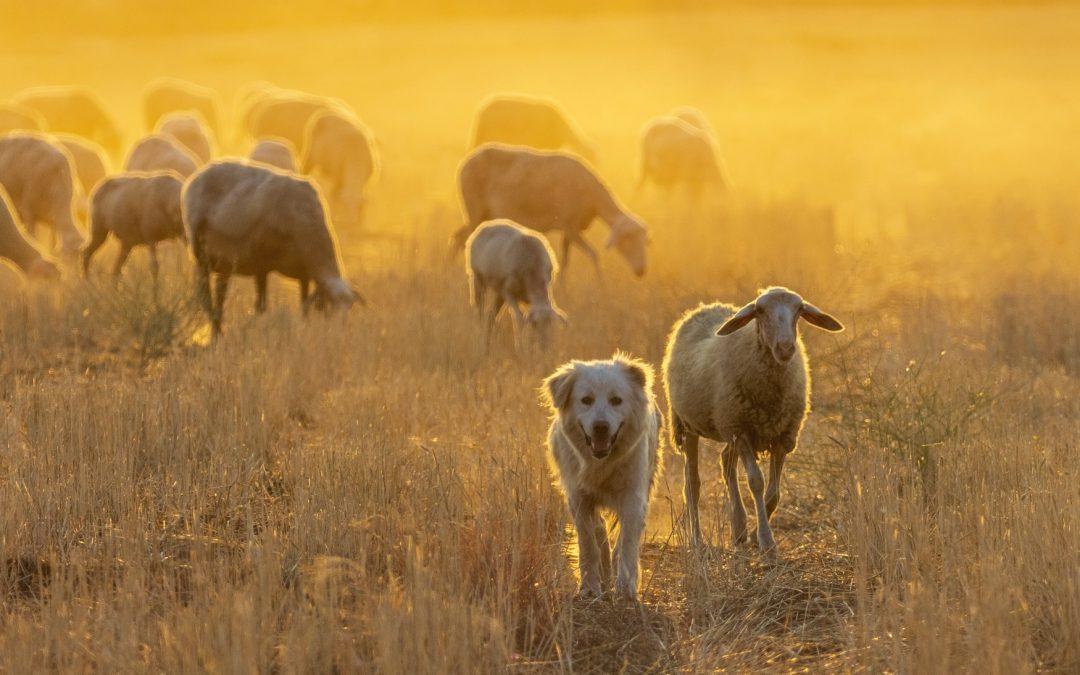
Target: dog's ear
639,372
559,387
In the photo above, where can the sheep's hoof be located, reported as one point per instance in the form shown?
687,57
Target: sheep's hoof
589,593
768,546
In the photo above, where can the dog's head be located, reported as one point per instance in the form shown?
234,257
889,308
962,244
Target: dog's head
601,405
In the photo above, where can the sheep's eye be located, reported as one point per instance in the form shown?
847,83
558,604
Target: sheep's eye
615,400
587,400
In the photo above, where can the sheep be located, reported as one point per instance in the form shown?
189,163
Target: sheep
91,166
519,265
675,152
38,175
22,252
158,152
285,114
74,110
189,131
276,152
747,389
20,118
139,209
546,191
538,123
693,117
249,219
339,154
170,95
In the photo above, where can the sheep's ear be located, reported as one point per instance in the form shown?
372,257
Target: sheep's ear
359,299
559,387
561,316
741,318
816,317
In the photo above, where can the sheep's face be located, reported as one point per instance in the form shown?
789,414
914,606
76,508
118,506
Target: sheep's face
630,238
336,295
542,320
600,403
777,312
43,269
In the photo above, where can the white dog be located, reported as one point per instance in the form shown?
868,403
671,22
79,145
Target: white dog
605,448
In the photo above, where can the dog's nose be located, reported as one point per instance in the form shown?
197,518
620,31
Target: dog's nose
601,429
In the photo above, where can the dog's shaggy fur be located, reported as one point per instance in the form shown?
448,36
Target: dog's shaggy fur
605,449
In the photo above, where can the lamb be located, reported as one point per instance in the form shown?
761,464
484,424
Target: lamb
158,152
747,389
278,153
39,178
339,154
675,152
139,209
519,265
22,252
20,118
538,123
252,220
169,95
546,191
91,166
74,110
189,131
604,444
285,114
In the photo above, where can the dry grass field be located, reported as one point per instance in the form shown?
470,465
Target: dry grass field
371,493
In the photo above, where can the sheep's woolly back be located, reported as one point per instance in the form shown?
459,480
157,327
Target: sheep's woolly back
501,249
39,176
139,208
723,387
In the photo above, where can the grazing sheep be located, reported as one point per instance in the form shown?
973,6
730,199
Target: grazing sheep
14,245
39,178
604,442
538,123
91,166
170,95
189,131
674,152
139,209
285,114
158,152
275,152
748,389
74,110
339,154
519,265
20,118
546,191
693,117
252,220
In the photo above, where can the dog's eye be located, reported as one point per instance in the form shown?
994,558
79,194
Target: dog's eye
587,400
615,400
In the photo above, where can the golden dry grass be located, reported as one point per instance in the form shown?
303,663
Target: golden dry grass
371,493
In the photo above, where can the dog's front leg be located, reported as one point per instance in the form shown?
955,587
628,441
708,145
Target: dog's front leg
585,521
632,512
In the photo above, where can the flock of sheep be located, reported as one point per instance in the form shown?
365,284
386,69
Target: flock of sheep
308,164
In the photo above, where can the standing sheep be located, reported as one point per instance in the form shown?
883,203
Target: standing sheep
139,209
170,95
285,114
20,118
519,265
251,220
277,153
189,131
538,123
339,154
75,110
22,252
39,178
748,389
91,166
158,152
674,152
546,191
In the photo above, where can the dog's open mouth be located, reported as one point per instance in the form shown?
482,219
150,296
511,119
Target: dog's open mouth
601,446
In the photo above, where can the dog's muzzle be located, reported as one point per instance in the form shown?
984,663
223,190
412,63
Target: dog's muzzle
601,440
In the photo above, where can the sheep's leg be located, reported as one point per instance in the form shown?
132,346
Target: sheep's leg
479,291
260,293
584,246
565,264
305,292
604,546
772,493
155,265
121,258
202,289
691,484
96,240
221,287
757,489
518,319
731,477
585,518
496,307
632,512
